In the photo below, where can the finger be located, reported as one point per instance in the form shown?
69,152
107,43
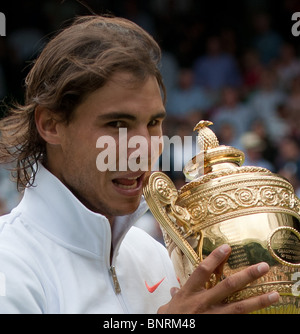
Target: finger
219,271
208,266
250,305
236,282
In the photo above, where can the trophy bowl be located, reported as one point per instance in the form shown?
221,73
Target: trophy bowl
251,209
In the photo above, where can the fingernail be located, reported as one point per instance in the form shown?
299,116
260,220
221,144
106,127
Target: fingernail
263,268
224,249
273,297
173,291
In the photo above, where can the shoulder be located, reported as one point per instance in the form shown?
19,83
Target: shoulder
22,273
10,231
14,236
145,249
139,237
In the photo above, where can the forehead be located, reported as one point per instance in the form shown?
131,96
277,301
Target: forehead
125,92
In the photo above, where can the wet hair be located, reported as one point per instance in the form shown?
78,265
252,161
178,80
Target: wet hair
76,62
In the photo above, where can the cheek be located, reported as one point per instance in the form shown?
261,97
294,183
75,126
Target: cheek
82,173
80,152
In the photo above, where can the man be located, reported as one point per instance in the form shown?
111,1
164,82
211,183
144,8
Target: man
69,246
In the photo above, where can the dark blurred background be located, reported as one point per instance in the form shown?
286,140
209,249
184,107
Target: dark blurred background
233,62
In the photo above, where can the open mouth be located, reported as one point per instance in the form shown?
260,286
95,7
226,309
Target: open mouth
126,183
129,183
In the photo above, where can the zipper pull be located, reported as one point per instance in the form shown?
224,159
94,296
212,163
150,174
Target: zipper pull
115,279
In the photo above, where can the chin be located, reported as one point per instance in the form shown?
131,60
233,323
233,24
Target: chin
128,208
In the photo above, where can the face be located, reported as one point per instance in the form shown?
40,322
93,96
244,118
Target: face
121,103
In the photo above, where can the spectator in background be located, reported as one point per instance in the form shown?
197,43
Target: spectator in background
227,135
288,162
169,69
136,13
264,104
291,109
293,98
292,177
251,71
232,111
269,150
216,69
287,67
228,41
187,97
267,41
253,147
288,158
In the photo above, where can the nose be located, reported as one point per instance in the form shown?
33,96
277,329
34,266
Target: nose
143,149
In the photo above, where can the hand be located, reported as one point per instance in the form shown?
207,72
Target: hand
194,298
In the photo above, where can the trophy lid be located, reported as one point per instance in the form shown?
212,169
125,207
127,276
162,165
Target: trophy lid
222,189
211,153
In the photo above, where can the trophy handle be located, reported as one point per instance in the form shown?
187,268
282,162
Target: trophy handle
161,194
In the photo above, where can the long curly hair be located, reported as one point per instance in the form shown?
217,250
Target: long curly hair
77,61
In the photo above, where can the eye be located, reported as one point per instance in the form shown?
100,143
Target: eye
154,122
117,124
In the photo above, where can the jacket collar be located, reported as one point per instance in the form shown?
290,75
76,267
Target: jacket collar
53,209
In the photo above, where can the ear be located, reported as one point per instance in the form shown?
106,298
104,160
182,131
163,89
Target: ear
47,125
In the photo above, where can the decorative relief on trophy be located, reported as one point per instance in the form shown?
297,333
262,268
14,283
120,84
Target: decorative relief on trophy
253,210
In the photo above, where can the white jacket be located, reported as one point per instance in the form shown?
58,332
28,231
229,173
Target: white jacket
55,257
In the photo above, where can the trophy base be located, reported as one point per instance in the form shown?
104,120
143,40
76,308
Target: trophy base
289,302
286,305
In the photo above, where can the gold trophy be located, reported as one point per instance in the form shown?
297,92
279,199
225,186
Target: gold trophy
253,210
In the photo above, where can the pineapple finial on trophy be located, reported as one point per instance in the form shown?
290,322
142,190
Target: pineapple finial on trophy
211,153
206,138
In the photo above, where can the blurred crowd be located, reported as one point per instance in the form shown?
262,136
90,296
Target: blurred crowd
234,63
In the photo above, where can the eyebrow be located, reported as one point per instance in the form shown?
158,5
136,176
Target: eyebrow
124,115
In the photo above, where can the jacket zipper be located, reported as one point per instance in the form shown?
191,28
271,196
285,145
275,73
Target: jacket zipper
117,287
116,284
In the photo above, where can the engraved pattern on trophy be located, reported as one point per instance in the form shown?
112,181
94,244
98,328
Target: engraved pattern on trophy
226,201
